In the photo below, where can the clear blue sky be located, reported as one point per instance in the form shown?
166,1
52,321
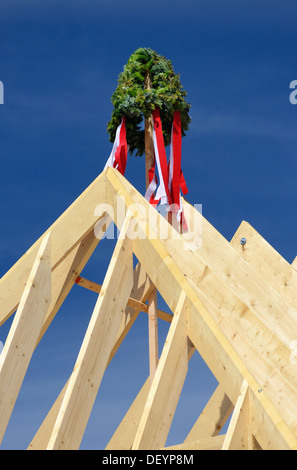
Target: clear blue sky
59,63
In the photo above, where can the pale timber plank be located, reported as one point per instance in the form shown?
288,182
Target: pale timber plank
267,261
167,275
244,281
238,435
207,443
134,303
267,323
166,386
95,350
63,277
95,287
153,333
124,435
24,331
68,231
141,289
213,417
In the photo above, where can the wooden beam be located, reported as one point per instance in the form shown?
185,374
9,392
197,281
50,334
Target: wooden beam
207,443
213,416
95,287
271,312
141,289
134,303
172,269
67,232
153,334
271,266
124,436
239,436
95,350
256,318
166,386
125,433
152,301
63,277
24,331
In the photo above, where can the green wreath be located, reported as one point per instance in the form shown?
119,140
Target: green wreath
133,100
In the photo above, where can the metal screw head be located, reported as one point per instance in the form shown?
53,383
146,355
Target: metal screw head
243,241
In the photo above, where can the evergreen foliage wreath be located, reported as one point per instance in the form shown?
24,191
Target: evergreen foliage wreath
133,101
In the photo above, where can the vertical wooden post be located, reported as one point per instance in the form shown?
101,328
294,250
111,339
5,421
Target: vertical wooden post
148,132
152,301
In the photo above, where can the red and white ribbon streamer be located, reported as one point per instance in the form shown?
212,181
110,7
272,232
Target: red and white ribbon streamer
176,181
162,193
153,183
118,156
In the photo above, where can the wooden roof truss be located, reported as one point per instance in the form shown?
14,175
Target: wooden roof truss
235,303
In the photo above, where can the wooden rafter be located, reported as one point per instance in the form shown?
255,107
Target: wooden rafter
206,443
213,416
66,233
24,332
125,434
271,266
141,289
95,350
167,384
239,434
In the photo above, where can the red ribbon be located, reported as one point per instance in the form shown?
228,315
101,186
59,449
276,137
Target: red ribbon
161,159
122,150
176,178
118,156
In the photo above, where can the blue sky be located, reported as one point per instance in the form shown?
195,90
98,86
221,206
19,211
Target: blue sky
59,63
